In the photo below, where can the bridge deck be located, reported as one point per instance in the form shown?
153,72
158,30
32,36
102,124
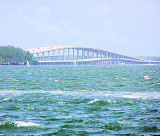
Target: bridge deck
83,54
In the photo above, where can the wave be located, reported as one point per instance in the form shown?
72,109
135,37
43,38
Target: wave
14,124
110,94
115,126
101,102
25,124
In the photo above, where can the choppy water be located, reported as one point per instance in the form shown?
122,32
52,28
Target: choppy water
82,100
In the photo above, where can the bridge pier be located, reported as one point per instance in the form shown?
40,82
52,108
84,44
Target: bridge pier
77,53
37,56
63,54
48,56
68,54
88,54
43,56
92,54
53,55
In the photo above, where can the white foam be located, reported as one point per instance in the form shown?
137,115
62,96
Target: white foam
25,124
61,102
95,100
146,77
123,122
6,99
143,95
56,80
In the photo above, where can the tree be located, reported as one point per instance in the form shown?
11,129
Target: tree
28,56
1,60
13,56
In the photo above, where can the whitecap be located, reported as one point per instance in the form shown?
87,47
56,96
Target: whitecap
61,102
6,99
95,100
15,80
146,77
25,124
123,122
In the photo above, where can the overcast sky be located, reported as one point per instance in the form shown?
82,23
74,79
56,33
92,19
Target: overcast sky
131,27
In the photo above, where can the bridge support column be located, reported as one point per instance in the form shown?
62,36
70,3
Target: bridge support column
114,55
109,56
101,54
105,54
43,55
53,56
73,54
63,54
58,55
92,53
117,59
68,55
77,53
87,53
83,53
48,56
97,54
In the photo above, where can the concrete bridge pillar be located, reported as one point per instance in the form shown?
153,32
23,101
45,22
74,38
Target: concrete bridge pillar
117,56
108,55
105,54
97,54
43,55
92,54
77,53
82,53
112,55
102,55
63,54
58,54
48,56
53,56
73,54
68,54
87,53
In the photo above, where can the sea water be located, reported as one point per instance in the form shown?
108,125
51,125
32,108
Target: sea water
80,100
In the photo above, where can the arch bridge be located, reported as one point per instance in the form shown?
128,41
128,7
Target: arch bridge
68,55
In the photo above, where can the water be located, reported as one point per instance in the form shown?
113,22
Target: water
80,100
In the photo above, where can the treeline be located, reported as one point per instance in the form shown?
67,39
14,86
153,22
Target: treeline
153,58
10,55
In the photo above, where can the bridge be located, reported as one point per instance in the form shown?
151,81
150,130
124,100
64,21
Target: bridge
69,55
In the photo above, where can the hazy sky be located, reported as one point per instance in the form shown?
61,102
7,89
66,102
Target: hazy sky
131,27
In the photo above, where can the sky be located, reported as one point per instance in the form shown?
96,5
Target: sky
131,27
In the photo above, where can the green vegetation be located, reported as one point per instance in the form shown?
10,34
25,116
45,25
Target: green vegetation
153,58
10,55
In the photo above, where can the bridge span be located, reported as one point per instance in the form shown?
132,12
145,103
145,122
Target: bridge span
70,55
